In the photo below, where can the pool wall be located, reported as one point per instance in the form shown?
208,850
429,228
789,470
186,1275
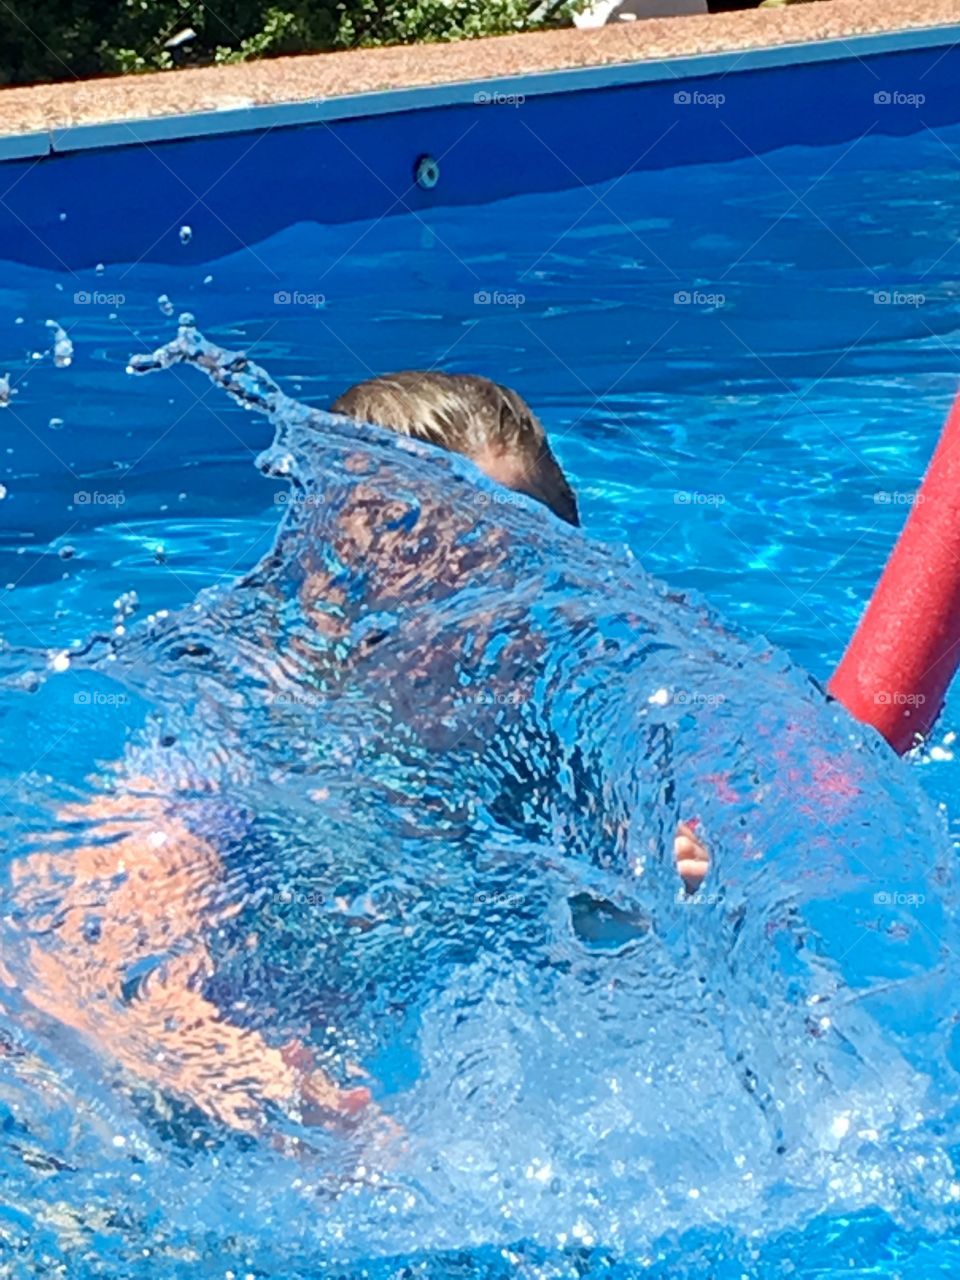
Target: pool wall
119,190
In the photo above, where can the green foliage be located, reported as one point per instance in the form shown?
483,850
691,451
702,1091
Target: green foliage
65,39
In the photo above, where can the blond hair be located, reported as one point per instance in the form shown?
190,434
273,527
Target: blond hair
469,415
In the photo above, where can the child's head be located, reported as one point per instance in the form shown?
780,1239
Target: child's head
487,423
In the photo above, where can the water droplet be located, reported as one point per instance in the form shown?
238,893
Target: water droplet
125,605
62,346
55,424
165,305
840,1126
186,235
99,268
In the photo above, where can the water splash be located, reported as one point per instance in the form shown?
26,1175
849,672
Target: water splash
438,747
62,346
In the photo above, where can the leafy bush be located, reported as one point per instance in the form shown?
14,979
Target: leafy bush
64,39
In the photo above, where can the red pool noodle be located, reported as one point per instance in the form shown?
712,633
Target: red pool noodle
903,655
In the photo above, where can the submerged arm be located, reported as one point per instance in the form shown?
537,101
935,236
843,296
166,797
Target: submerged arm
116,951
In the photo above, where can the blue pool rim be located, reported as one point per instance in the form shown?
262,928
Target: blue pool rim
256,117
119,192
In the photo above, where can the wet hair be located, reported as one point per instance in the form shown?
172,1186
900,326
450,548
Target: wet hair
469,415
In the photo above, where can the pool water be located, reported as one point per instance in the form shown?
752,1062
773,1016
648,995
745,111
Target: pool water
785,410
743,369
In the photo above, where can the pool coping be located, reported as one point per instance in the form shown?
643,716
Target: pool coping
458,74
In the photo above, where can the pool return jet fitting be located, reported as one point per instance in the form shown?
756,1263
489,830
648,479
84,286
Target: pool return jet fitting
903,655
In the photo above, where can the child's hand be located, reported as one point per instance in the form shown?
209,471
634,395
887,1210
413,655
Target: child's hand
690,855
321,1103
321,1100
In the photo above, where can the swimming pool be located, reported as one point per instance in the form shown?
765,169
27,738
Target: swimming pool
743,364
